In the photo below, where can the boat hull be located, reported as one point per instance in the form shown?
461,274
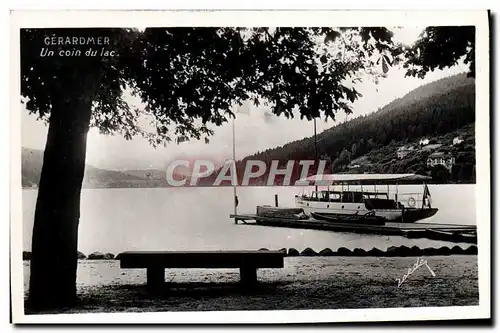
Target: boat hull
356,219
281,212
411,215
451,236
405,215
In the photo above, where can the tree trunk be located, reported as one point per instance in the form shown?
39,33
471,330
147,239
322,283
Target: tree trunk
55,232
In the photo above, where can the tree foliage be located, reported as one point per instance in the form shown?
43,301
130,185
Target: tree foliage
440,174
341,161
440,47
190,78
47,80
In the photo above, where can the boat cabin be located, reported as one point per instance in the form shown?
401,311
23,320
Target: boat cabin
372,200
344,196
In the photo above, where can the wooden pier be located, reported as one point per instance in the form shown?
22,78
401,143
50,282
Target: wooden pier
445,232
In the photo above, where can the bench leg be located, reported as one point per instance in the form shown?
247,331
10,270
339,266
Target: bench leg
248,275
155,277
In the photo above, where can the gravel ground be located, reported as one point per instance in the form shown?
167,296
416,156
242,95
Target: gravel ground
304,283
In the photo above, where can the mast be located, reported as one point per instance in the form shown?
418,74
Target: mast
361,186
315,154
423,197
235,198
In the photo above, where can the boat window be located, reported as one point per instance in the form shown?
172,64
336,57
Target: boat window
347,197
335,196
373,195
323,195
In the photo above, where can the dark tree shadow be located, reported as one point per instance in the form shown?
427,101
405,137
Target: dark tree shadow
203,289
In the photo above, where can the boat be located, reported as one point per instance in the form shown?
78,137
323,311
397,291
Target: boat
451,236
404,207
283,213
366,219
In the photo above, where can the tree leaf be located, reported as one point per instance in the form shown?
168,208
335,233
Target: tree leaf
331,36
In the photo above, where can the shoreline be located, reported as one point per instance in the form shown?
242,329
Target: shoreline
393,251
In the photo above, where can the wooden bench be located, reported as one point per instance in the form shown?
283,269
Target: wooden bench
156,262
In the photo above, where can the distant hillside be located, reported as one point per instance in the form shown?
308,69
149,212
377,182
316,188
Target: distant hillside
31,164
432,110
150,174
385,159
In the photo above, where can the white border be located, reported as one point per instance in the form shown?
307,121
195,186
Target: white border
262,18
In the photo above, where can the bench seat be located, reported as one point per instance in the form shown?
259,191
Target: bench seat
155,262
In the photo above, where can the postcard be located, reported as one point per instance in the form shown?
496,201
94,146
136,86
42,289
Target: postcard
250,166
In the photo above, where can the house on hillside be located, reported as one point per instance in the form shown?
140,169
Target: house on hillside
440,158
424,142
457,140
404,150
353,166
432,146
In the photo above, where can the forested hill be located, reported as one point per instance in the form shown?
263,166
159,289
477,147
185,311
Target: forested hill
431,110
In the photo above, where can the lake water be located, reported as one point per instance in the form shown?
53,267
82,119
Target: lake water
116,220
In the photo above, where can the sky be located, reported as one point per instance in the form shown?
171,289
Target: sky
256,129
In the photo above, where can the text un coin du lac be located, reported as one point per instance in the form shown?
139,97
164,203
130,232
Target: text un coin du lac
74,52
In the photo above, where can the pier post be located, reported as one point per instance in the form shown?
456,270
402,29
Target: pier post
276,200
236,202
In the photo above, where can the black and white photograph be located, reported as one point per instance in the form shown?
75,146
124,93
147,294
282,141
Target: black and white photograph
243,167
